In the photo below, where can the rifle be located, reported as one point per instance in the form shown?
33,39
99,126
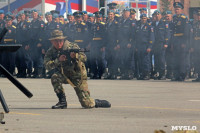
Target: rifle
68,51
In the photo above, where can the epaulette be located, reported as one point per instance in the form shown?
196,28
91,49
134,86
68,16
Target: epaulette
82,23
116,22
13,26
149,23
183,16
28,21
117,15
45,22
102,23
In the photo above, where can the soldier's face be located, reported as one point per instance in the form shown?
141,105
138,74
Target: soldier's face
91,19
49,18
23,17
158,17
9,23
58,43
178,11
85,17
144,20
79,19
168,17
35,15
133,16
2,16
126,14
71,18
198,17
111,15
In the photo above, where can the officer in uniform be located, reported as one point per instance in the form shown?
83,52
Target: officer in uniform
35,32
112,30
70,27
2,25
70,70
169,56
81,34
162,36
22,37
144,36
179,42
126,54
8,58
85,16
196,46
97,51
112,6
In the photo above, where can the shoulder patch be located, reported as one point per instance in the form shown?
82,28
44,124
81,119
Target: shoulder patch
13,26
183,16
83,23
102,23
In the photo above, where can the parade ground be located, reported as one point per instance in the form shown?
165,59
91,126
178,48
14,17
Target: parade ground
137,107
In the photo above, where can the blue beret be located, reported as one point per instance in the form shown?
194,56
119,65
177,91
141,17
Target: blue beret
47,14
21,12
168,12
90,15
55,15
1,11
111,11
9,13
8,17
84,12
178,5
132,11
143,9
78,14
69,14
112,5
61,16
39,14
156,12
126,9
143,15
34,10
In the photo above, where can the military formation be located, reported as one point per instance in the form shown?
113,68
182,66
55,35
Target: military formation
121,47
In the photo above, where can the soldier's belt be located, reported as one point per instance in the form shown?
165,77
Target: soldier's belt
97,38
178,34
8,40
197,38
78,41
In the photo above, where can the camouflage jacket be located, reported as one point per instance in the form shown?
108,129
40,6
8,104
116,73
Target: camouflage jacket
73,69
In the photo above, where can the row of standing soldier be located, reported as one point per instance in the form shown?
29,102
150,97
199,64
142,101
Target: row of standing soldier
115,43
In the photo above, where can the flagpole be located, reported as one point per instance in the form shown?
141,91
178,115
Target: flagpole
43,9
83,5
105,5
66,2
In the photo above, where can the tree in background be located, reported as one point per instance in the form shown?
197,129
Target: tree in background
166,5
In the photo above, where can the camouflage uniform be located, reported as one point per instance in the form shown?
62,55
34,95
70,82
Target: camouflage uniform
72,72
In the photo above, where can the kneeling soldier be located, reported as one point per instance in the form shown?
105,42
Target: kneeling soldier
70,69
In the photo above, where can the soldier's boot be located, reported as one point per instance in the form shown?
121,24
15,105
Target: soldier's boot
102,104
39,74
146,76
162,76
62,104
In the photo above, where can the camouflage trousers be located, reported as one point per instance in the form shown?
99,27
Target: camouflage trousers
82,91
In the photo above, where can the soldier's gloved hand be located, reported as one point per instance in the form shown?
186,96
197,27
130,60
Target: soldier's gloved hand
148,50
129,45
165,46
73,55
62,58
39,45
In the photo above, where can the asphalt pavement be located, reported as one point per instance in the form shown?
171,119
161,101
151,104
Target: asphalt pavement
137,107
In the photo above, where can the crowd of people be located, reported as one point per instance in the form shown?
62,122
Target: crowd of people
160,47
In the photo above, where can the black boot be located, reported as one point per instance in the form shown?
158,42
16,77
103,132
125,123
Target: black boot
102,104
62,104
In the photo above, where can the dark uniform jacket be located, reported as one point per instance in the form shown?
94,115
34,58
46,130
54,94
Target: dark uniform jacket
10,37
